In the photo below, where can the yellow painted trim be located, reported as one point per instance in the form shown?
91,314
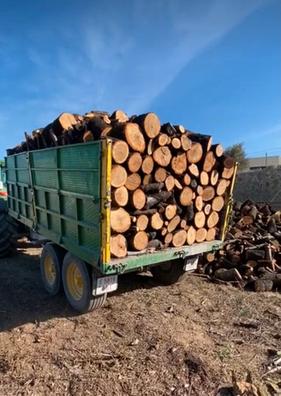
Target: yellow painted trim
229,204
106,199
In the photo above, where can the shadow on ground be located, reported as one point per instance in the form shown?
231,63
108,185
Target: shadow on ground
24,300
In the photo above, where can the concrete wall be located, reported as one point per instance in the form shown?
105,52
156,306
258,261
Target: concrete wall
260,186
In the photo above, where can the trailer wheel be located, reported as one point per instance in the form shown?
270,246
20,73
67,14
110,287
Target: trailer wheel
77,284
8,229
169,272
50,265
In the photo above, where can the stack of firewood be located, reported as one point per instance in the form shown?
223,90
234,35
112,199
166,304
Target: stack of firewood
251,255
169,185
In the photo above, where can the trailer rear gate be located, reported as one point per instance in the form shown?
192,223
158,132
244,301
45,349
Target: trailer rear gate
63,193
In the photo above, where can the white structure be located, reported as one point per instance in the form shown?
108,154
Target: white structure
262,162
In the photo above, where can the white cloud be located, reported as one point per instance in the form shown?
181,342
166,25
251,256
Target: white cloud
115,56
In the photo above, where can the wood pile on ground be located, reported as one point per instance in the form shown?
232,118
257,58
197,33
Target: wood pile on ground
169,185
251,254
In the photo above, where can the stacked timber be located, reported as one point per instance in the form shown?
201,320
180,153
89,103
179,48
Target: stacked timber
168,184
251,255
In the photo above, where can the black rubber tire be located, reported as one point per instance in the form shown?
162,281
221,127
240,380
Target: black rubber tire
56,253
169,272
87,302
8,229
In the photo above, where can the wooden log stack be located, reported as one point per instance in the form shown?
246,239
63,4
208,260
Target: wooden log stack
169,185
251,255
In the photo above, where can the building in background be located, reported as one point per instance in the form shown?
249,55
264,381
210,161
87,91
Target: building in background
262,162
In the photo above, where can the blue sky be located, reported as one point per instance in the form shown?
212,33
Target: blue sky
211,65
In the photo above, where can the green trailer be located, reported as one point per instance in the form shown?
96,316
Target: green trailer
62,194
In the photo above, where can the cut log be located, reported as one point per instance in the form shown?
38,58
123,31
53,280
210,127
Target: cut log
134,162
147,165
120,196
170,183
214,177
156,221
120,220
168,238
169,129
88,136
204,140
185,142
160,175
210,257
199,190
180,128
163,139
199,203
162,156
64,121
179,164
118,246
217,150
221,187
199,219
142,222
176,143
178,185
227,173
138,241
150,124
186,196
183,225
218,203
118,176
133,182
190,235
147,179
170,211
120,151
228,162
120,116
153,187
228,275
134,137
195,153
189,213
263,285
187,179
204,178
164,231
138,199
207,209
147,212
173,223
193,170
208,193
201,235
209,161
211,234
154,199
150,146
179,238
212,220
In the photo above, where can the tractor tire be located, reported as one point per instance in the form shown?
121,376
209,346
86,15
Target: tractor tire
8,229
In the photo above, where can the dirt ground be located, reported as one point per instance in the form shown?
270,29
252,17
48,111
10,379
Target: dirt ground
183,339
